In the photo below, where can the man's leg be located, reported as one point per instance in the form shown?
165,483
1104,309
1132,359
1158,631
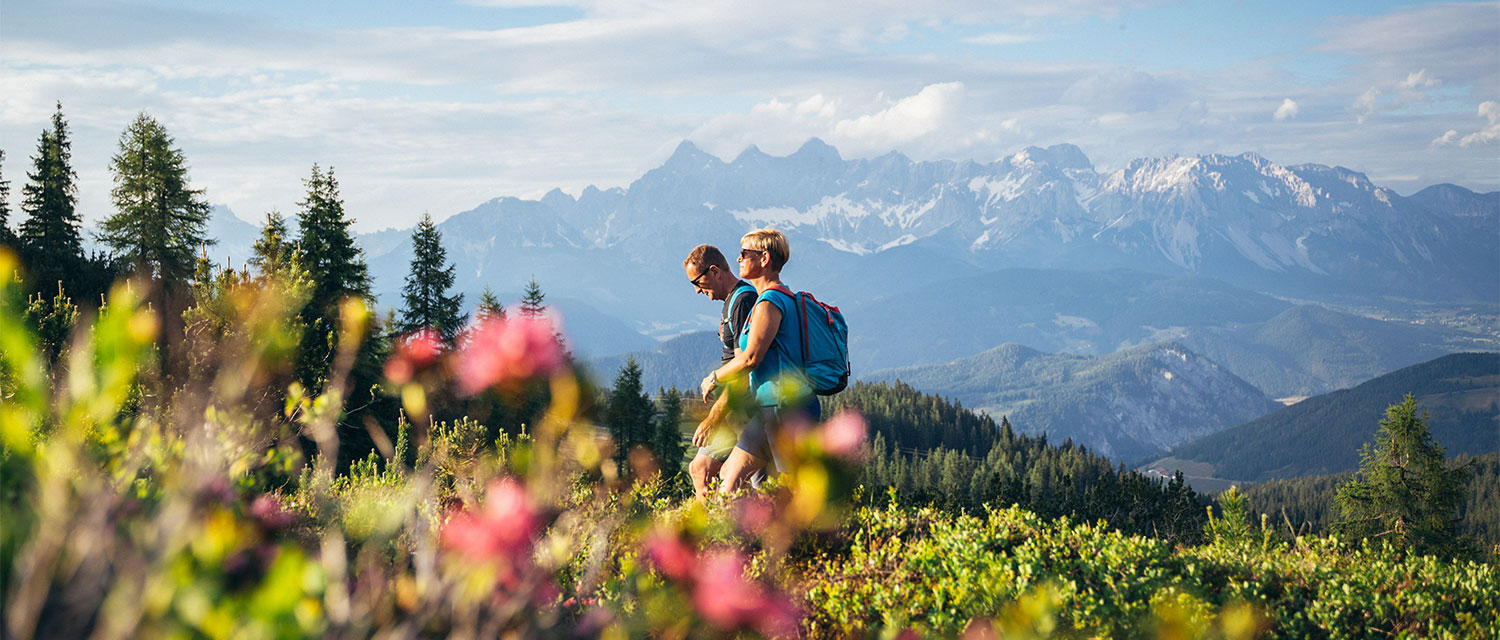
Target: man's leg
737,470
702,469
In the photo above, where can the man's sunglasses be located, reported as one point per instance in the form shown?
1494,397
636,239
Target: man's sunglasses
696,285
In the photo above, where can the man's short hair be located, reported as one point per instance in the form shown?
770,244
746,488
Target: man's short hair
704,256
772,242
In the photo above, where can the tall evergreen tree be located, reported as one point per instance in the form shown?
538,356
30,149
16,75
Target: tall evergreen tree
667,440
49,237
159,222
336,265
531,301
489,305
1404,492
7,237
427,303
628,416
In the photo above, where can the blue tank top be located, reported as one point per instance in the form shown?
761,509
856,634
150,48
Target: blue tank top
766,380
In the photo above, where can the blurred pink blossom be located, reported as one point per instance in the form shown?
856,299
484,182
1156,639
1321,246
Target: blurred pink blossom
502,351
729,601
414,351
268,513
503,528
754,514
844,435
671,555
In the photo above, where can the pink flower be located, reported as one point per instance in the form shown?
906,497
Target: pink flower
268,513
414,351
504,527
671,556
728,601
504,351
754,514
844,435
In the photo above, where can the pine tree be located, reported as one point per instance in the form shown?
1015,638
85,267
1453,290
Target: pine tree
272,251
667,441
159,222
49,237
629,413
531,301
489,305
427,303
336,265
1404,491
1233,525
7,237
52,322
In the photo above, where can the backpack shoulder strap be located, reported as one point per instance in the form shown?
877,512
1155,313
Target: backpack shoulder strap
799,303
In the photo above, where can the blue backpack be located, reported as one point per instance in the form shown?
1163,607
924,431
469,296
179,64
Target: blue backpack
825,343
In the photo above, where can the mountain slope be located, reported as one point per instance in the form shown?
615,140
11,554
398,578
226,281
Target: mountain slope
1307,350
680,362
1124,405
1320,435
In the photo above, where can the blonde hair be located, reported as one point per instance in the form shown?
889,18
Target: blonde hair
772,242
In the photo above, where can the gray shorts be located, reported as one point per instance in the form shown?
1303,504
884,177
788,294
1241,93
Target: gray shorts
721,442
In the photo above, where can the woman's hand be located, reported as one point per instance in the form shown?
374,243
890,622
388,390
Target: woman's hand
707,387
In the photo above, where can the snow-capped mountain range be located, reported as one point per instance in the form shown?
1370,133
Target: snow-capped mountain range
862,227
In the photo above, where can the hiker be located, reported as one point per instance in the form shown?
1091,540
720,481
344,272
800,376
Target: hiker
710,275
765,350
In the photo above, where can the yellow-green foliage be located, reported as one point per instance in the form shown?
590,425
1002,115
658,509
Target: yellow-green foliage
921,569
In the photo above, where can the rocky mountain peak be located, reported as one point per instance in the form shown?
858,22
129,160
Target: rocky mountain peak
1061,156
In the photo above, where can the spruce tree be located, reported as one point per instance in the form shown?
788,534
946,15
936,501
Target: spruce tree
159,222
427,303
7,237
531,301
629,412
337,268
489,305
52,322
272,251
1404,491
50,240
667,441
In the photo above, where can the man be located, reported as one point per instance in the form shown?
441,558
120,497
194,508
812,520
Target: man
711,275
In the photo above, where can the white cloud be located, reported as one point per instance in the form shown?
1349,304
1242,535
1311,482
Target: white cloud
1450,137
1419,79
1127,90
1490,110
933,121
934,107
1001,38
1288,109
1366,104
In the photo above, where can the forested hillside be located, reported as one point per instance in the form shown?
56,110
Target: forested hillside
1323,434
929,450
1125,405
1307,504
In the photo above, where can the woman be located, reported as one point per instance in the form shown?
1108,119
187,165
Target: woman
767,346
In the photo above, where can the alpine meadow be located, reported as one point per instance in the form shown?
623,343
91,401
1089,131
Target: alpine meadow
587,319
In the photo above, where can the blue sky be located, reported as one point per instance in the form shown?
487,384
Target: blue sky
438,106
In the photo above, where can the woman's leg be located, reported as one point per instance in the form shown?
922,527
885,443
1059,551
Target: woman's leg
737,470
